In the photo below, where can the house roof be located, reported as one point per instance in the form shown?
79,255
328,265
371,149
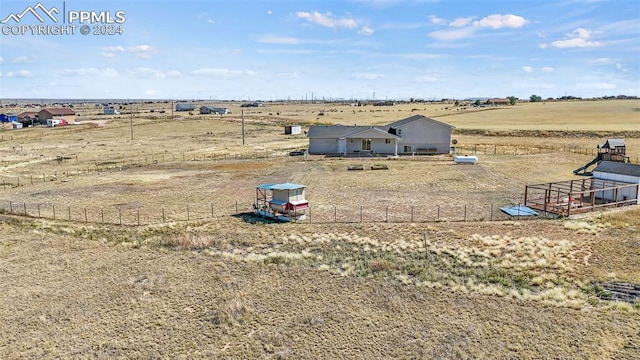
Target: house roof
611,143
59,111
341,132
411,119
27,113
284,186
614,167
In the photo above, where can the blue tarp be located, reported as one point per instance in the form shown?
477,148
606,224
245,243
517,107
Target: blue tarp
518,210
285,186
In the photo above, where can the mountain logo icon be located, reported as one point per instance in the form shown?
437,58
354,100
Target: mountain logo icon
36,12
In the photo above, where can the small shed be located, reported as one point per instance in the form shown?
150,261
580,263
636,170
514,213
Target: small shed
8,118
110,110
619,172
293,130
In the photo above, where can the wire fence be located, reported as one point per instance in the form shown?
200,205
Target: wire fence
319,214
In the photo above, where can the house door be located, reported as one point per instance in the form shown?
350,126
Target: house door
342,146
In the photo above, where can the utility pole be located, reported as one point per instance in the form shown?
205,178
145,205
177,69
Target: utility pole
243,127
131,122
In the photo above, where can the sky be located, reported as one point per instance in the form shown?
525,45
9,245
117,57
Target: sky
299,49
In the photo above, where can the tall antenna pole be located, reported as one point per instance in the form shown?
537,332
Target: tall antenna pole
243,127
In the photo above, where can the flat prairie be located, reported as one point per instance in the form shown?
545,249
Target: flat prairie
134,243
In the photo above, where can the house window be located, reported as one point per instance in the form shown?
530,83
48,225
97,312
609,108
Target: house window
297,192
398,132
387,141
366,144
407,148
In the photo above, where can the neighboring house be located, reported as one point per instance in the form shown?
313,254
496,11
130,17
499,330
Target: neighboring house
110,110
254,104
185,107
498,101
621,172
57,113
28,117
344,140
214,110
8,118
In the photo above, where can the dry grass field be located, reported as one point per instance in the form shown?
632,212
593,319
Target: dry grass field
194,281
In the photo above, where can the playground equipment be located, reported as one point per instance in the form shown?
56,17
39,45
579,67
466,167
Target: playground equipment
282,202
611,150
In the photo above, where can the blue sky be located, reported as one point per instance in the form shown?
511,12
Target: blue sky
352,49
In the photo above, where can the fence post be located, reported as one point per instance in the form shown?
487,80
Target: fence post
10,207
411,213
465,212
335,214
236,207
386,214
24,206
211,209
188,217
38,210
360,213
119,216
138,214
69,213
438,218
85,214
31,179
102,214
491,213
54,211
163,220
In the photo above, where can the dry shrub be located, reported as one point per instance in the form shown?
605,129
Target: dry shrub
377,265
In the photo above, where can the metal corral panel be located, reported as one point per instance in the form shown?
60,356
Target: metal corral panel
284,186
518,210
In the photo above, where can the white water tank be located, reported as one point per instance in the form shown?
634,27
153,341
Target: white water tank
465,159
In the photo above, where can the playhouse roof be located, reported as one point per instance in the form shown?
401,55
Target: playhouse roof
284,186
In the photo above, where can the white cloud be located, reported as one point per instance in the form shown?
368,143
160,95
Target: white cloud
456,34
596,86
84,72
367,76
460,22
174,74
147,73
1,60
602,61
436,20
497,21
210,21
23,59
288,75
579,38
20,74
327,20
223,73
0,74
426,79
141,51
152,92
548,69
365,30
113,48
274,39
269,12
527,69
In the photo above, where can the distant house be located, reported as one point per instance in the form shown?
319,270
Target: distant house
414,135
8,118
498,101
57,113
214,110
110,110
253,104
28,117
185,107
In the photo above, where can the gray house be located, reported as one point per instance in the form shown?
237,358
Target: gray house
414,135
214,110
185,107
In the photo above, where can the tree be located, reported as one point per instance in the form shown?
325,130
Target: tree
535,98
512,100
